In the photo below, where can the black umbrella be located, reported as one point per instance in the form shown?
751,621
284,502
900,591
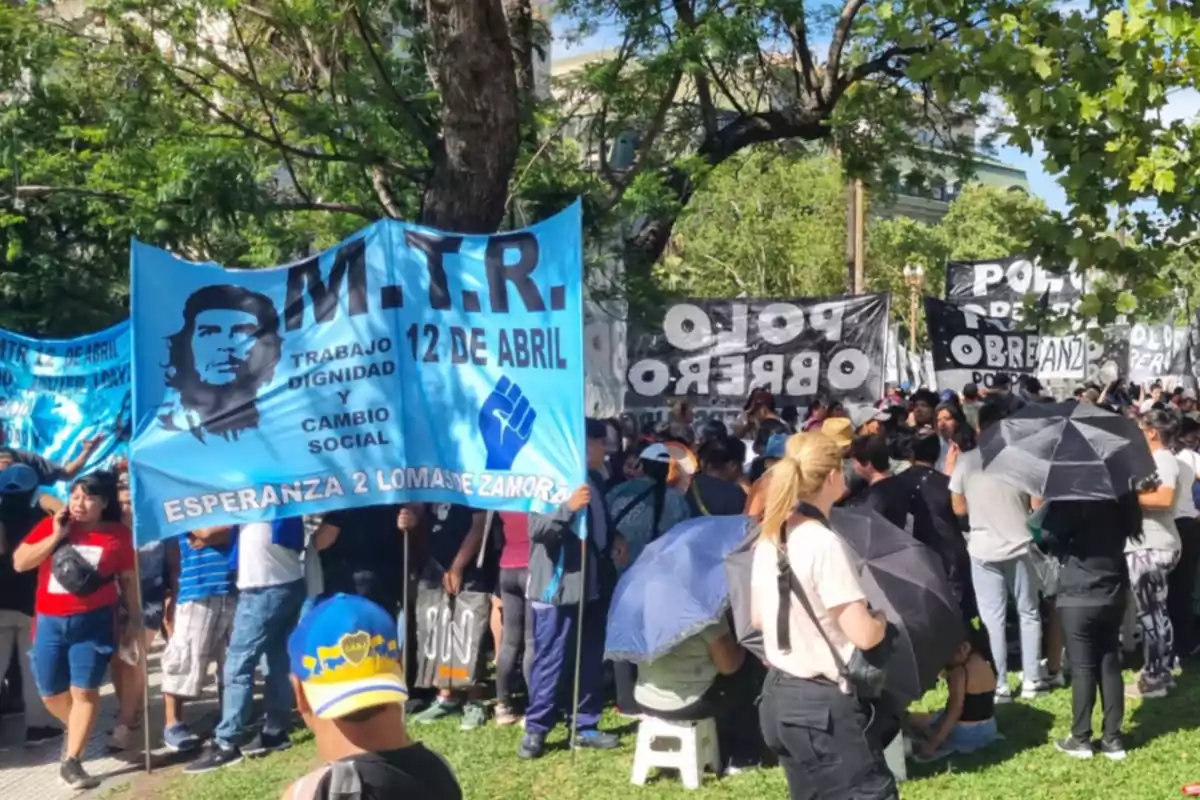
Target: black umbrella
900,576
1067,451
906,580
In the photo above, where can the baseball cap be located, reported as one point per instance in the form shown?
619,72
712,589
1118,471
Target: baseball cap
346,654
840,429
1189,394
656,452
18,478
776,446
861,414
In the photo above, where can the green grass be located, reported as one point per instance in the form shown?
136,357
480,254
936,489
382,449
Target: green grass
1163,734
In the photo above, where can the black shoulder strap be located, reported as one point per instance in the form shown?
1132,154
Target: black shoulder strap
788,585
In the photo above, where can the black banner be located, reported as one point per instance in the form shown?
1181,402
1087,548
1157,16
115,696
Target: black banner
1000,289
969,348
714,352
1158,352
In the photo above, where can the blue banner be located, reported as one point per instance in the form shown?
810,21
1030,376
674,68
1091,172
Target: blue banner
403,365
57,394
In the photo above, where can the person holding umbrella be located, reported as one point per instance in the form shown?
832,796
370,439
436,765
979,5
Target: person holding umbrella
807,710
1001,565
1152,558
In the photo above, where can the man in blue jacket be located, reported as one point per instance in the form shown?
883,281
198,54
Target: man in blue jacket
557,585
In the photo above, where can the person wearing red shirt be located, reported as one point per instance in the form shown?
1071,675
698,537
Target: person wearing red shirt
75,634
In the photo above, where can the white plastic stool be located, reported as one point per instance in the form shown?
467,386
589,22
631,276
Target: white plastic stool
695,747
894,755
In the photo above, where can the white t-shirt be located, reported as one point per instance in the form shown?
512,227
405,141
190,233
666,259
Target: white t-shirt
1189,465
262,563
1147,405
827,574
1158,527
999,511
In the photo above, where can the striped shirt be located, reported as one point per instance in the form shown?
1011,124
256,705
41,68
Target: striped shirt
203,573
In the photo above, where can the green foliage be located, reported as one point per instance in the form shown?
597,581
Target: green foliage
254,133
1099,106
770,222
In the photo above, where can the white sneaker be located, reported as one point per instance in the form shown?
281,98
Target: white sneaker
1032,689
1003,694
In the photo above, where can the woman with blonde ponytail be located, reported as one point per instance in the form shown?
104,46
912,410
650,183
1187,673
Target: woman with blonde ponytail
808,714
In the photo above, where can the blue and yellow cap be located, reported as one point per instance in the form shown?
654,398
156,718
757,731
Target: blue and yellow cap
346,653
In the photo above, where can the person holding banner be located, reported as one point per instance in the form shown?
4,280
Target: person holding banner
270,582
48,472
81,556
453,612
205,599
558,584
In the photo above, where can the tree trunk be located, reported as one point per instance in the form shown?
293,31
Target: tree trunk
472,55
520,28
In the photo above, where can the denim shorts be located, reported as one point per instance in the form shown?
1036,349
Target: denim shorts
966,738
72,651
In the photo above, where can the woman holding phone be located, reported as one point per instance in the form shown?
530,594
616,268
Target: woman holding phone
81,554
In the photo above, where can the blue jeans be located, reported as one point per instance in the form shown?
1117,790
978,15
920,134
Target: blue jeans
994,581
72,651
262,623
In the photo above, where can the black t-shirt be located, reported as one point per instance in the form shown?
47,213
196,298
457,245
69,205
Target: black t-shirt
715,497
18,516
411,772
449,525
367,558
1088,538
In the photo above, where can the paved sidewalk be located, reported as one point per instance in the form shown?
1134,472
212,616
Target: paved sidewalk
32,773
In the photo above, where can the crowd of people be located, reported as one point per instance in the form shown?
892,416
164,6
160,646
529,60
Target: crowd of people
316,608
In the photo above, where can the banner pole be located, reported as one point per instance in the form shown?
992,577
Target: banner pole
404,611
144,666
583,549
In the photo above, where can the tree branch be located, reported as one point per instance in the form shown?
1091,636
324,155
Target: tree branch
41,191
420,128
837,46
383,191
287,161
649,137
685,17
798,33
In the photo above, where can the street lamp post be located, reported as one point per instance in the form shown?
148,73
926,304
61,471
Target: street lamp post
914,276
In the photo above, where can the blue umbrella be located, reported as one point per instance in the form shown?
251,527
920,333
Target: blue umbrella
674,590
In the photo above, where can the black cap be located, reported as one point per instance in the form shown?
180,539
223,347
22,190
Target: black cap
596,429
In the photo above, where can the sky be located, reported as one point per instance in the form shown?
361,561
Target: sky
1184,104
